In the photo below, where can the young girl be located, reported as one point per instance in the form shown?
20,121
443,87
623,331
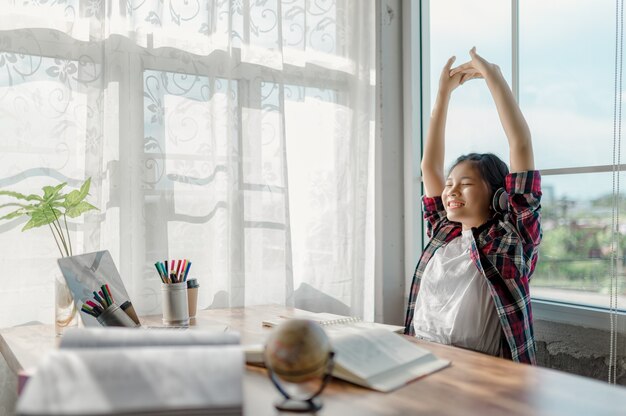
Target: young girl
470,286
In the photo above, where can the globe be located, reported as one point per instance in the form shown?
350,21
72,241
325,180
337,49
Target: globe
299,353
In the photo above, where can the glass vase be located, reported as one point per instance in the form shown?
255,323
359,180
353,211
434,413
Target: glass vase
65,313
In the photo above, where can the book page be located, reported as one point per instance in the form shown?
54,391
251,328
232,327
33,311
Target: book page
399,376
371,352
118,337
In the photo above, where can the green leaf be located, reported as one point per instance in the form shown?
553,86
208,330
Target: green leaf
17,195
76,196
73,198
14,204
78,209
46,211
84,189
51,193
56,204
13,214
41,217
23,210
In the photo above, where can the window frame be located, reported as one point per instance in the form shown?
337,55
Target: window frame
418,41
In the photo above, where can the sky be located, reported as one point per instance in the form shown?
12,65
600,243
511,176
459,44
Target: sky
567,58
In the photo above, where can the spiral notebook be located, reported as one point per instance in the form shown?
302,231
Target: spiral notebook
330,320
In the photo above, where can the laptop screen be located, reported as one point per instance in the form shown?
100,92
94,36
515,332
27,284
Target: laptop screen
86,273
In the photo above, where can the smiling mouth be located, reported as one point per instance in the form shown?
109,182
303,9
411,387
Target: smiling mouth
454,205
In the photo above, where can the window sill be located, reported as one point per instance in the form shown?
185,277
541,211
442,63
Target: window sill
577,315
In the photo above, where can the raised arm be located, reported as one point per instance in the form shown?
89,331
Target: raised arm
434,146
511,117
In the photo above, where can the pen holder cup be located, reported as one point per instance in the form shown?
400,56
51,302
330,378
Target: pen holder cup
192,296
175,304
115,316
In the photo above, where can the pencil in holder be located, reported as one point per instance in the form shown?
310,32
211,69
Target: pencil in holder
115,316
175,304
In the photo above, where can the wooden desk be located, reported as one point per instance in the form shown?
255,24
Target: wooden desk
474,384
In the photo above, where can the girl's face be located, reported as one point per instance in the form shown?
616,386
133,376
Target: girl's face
466,196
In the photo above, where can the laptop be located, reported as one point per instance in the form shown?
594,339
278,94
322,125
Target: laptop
86,273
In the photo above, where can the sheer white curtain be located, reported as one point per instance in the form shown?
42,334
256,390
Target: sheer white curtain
237,134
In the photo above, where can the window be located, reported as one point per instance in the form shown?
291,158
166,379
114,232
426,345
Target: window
566,61
566,92
236,134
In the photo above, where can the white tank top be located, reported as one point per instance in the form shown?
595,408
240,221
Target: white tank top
453,304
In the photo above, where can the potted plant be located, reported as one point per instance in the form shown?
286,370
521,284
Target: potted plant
52,209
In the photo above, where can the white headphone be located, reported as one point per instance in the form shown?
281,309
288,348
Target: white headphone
500,201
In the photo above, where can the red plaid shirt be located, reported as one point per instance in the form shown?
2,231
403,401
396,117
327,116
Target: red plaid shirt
505,251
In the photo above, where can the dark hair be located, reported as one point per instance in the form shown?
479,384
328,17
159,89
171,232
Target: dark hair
492,169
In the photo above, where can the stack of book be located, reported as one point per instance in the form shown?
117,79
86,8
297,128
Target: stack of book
120,371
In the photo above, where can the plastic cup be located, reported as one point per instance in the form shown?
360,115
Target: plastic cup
130,311
192,296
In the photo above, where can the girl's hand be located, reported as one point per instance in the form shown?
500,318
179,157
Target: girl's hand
478,67
511,117
447,81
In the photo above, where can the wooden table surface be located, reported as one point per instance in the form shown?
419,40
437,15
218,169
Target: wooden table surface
474,383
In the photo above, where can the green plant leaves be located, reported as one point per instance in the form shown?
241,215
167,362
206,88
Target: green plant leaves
17,195
50,207
13,214
48,210
22,210
53,193
43,215
75,197
75,210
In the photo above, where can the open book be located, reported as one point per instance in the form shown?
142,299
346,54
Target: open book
121,371
379,359
375,358
330,319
